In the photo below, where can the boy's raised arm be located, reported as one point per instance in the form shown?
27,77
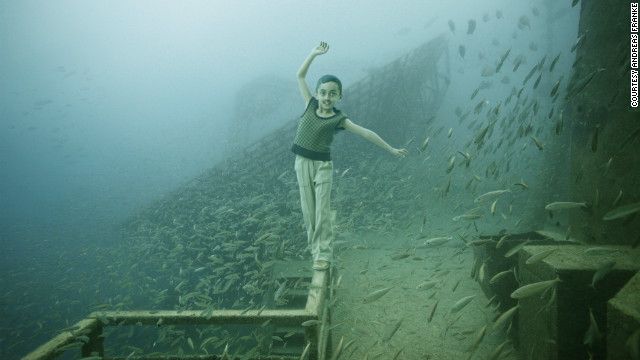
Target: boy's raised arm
302,72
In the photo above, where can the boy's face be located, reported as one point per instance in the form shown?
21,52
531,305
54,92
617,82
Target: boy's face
328,95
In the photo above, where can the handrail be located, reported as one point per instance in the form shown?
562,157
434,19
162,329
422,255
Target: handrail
86,334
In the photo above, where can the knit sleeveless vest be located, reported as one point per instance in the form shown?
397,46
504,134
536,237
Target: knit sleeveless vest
315,134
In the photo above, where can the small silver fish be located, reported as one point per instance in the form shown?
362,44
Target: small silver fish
438,240
504,318
490,196
539,256
499,276
376,295
563,205
601,272
460,304
515,249
533,289
621,211
427,284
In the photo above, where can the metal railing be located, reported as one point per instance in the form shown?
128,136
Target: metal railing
87,334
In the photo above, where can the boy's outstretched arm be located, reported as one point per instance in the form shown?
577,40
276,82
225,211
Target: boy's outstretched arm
302,72
373,137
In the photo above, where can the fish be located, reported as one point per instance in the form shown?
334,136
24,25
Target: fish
601,272
376,295
515,249
502,59
305,351
475,92
592,335
535,68
461,51
564,205
519,60
581,84
617,199
533,288
621,211
579,41
424,144
460,304
471,27
539,256
555,60
501,241
499,276
555,87
73,345
500,351
522,184
427,285
627,140
278,293
310,322
433,311
478,338
535,84
392,330
487,71
438,240
490,196
559,124
455,286
481,272
467,217
479,139
537,142
467,157
452,26
493,207
400,256
541,63
524,21
479,242
409,142
535,11
452,162
503,319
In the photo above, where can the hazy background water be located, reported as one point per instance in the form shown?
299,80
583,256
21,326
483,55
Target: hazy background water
107,105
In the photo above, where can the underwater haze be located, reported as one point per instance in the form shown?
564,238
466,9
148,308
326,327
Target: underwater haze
107,107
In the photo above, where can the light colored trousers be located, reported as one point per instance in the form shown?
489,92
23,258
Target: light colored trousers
314,180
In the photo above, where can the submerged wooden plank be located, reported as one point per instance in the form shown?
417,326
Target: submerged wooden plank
196,317
56,346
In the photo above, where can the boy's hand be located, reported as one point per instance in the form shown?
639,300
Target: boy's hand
400,152
320,49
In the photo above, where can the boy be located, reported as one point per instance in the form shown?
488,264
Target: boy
314,169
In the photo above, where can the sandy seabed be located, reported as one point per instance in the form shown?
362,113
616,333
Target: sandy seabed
367,263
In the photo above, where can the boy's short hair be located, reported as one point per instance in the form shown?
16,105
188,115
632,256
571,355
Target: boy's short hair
329,78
